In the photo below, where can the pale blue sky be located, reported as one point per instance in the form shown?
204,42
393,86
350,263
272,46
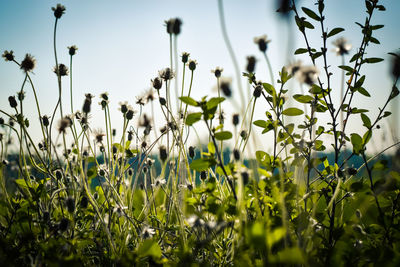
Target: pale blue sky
123,44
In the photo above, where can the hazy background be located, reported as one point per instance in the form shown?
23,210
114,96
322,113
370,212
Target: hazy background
123,44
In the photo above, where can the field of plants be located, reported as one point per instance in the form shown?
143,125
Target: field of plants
144,195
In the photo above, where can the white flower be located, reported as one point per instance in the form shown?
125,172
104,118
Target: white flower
342,46
159,181
148,232
195,221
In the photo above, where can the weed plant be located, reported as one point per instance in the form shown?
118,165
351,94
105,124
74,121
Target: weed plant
149,198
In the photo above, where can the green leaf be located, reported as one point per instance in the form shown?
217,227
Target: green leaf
347,68
363,91
366,120
223,135
357,143
188,100
149,248
372,60
292,112
366,137
334,32
211,148
276,235
303,98
269,88
315,89
289,255
311,13
301,51
200,164
213,102
192,118
261,123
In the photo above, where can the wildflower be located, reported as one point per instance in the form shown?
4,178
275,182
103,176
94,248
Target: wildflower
63,124
8,56
195,221
159,181
163,153
162,100
217,72
119,210
166,74
58,10
203,175
262,42
185,57
42,146
58,174
102,170
294,67
245,177
148,232
251,64
72,49
130,135
149,95
235,119
192,64
98,134
173,26
284,7
236,154
144,121
157,83
140,100
342,46
28,64
191,152
143,144
123,107
129,114
12,101
104,96
243,134
257,91
61,70
308,75
21,95
130,172
225,86
70,203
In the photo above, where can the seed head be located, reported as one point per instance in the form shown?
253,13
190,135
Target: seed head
45,120
217,72
62,70
123,107
308,75
129,114
293,68
63,124
396,65
185,57
84,202
28,64
162,100
236,154
8,56
98,135
72,49
58,10
191,152
157,83
262,43
192,64
166,74
173,26
163,153
226,87
342,46
235,119
12,101
251,64
203,175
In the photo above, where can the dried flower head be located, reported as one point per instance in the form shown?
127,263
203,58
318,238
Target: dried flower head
173,26
72,49
58,10
159,181
123,107
149,95
148,232
308,75
251,64
62,70
104,96
293,68
262,42
217,72
157,83
63,124
396,65
192,64
225,86
45,120
185,57
12,101
342,46
98,135
163,153
28,64
166,74
129,114
8,56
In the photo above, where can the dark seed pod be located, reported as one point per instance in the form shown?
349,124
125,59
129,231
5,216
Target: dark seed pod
12,101
203,175
235,119
84,202
163,154
251,64
157,83
352,171
245,177
163,102
86,105
243,134
59,174
257,91
236,154
191,152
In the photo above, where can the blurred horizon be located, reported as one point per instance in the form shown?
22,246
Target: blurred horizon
122,46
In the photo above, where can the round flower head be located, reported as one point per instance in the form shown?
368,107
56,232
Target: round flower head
63,124
157,83
173,26
123,107
217,72
262,42
294,67
72,50
98,135
185,57
58,10
28,64
251,64
62,70
8,56
166,74
342,46
192,64
308,75
104,96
